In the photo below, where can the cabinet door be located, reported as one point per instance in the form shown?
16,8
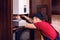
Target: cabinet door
45,5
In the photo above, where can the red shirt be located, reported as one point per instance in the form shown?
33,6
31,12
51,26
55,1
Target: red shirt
46,30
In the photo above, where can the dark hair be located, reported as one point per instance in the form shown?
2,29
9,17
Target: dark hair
39,15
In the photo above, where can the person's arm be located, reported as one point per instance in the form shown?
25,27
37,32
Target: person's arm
30,26
29,19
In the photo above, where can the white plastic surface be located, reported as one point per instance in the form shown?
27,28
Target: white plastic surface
18,6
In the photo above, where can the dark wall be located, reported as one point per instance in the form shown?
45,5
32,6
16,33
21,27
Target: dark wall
56,7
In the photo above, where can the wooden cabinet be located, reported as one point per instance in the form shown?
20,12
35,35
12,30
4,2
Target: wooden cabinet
44,6
34,4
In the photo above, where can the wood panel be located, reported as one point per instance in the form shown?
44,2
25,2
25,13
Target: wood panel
35,3
37,35
33,9
5,20
48,3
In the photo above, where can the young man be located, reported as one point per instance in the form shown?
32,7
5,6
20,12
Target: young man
48,32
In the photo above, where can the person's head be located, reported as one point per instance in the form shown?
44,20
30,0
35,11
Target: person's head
37,17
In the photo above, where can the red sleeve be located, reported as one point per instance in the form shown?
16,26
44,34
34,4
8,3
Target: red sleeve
46,29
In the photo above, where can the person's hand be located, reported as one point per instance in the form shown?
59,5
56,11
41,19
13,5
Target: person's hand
18,17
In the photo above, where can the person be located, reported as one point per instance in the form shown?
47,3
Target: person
37,22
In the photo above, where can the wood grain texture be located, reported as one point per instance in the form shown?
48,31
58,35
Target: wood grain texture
5,20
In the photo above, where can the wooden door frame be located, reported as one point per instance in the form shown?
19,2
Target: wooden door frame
5,20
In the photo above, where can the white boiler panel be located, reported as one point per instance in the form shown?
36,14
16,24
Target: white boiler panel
20,6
